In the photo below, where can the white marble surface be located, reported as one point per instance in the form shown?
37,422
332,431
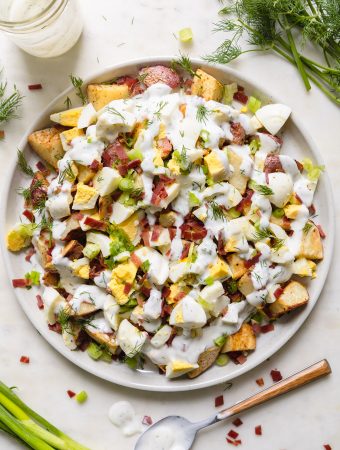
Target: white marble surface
115,31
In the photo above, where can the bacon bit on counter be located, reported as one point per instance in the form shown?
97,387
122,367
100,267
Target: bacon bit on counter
2,134
34,87
219,401
267,328
40,302
147,420
71,394
258,430
278,292
260,382
25,360
237,422
234,443
276,375
233,434
322,233
20,282
327,447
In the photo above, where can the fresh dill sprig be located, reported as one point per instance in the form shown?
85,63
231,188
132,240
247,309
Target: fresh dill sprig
262,233
23,164
77,83
68,103
9,105
277,243
66,173
217,211
263,189
307,227
27,192
184,63
202,113
115,112
161,105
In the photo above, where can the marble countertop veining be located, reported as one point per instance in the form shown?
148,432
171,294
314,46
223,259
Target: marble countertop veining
304,420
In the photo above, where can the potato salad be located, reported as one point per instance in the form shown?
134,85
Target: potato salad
162,224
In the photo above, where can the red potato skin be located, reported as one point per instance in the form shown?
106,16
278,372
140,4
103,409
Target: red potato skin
273,164
160,74
239,135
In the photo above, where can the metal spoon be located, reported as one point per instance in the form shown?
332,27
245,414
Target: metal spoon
178,433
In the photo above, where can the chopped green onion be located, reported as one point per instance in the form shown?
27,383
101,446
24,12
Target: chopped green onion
193,200
126,184
209,281
232,287
145,266
221,340
206,305
132,362
33,277
91,250
135,154
210,181
278,213
94,351
228,93
253,104
254,146
233,213
185,35
81,397
222,360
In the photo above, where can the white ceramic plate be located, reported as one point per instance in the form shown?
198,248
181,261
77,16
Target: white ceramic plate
296,143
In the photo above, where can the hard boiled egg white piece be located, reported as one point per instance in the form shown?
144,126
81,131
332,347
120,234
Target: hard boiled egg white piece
273,117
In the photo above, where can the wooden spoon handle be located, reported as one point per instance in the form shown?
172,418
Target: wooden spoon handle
307,375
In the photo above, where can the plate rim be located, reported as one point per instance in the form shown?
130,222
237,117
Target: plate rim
193,384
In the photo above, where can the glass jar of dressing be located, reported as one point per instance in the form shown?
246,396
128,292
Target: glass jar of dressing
43,28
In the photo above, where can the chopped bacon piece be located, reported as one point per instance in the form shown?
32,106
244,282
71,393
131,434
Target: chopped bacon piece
166,180
20,282
97,265
241,359
277,139
146,238
29,254
192,230
136,261
278,292
95,224
127,288
137,89
56,327
185,251
238,133
147,420
159,193
172,232
95,164
256,328
71,394
145,291
322,233
260,381
258,430
25,360
252,261
157,229
40,302
327,447
166,310
129,81
187,85
42,168
2,134
179,296
165,292
240,96
237,422
233,434
312,209
267,328
165,146
246,200
276,375
29,215
220,244
219,401
114,153
272,164
133,164
122,169
160,74
34,87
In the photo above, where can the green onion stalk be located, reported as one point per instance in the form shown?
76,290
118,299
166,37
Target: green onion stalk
285,27
21,422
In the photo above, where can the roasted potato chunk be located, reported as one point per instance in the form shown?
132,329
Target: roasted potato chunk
243,340
206,86
103,338
47,144
205,360
236,265
245,285
311,244
102,94
293,296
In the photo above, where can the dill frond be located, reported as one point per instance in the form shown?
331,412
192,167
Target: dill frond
307,227
77,83
66,173
202,113
217,211
23,164
9,106
115,112
184,63
263,189
161,105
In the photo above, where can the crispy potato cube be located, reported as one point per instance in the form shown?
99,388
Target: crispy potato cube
243,340
85,174
103,338
237,266
206,86
245,285
102,94
47,144
42,246
311,244
205,360
237,179
84,310
293,296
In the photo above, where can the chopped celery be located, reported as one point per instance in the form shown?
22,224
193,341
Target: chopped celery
206,305
220,340
209,281
210,181
94,351
253,104
233,213
313,171
278,213
91,250
228,93
252,184
135,154
81,397
120,241
132,362
145,266
185,35
254,146
193,200
222,360
232,287
126,184
33,277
